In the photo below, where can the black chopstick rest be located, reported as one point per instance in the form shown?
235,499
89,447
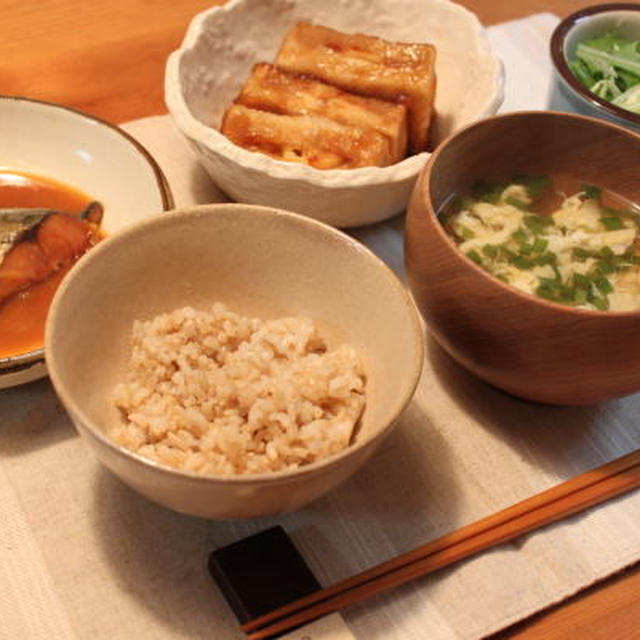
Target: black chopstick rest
261,573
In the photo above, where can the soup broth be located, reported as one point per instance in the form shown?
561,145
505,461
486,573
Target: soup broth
39,256
555,238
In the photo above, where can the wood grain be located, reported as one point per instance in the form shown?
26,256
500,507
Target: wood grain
605,611
107,57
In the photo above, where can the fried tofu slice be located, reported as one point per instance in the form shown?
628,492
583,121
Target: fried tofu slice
271,89
366,65
312,140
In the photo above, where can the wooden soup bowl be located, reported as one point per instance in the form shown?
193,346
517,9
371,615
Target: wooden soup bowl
525,345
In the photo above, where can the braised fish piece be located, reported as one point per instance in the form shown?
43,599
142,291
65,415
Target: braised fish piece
312,140
366,65
271,89
37,243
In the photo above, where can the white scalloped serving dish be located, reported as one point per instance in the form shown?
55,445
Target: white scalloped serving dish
221,45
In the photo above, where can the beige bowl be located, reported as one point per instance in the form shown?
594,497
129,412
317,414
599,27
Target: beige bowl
221,45
258,261
523,344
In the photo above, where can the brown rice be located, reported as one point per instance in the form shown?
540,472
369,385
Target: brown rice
215,392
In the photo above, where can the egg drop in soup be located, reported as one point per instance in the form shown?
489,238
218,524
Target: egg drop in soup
45,227
553,237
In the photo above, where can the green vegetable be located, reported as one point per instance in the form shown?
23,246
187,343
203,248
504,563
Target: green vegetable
535,185
462,203
537,224
464,232
547,258
487,191
490,250
610,67
603,284
520,236
517,203
581,71
591,192
506,253
475,256
612,223
629,100
555,291
523,263
539,245
633,216
600,303
580,280
608,262
606,267
626,80
581,254
580,296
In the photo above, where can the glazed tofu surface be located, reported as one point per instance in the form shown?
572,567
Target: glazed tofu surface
367,65
271,89
313,140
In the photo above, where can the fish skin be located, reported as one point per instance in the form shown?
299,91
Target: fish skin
56,241
16,223
63,238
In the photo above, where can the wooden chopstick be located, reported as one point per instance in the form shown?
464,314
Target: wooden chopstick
570,497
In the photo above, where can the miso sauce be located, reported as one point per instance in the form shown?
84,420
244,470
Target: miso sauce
19,189
23,315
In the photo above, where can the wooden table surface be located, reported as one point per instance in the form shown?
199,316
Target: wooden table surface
107,57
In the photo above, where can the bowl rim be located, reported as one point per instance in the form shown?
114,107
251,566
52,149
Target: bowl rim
273,477
219,144
425,194
556,47
27,359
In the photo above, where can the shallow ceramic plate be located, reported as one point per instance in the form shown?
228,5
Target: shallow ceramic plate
221,45
88,154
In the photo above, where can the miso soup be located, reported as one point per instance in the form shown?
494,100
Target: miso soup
555,238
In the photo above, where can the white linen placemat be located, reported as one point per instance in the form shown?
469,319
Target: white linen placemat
82,556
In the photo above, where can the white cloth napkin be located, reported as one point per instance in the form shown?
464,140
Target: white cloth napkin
82,556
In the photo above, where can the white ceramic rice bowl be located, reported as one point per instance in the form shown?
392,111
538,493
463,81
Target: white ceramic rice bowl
222,44
260,262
